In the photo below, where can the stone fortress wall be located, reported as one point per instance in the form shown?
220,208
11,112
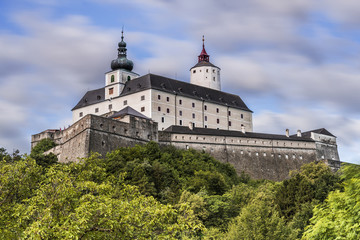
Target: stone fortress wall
262,156
98,134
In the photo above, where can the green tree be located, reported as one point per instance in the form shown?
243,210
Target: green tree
38,153
260,219
297,196
18,181
82,201
339,216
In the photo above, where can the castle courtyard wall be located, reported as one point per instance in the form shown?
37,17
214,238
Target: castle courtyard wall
260,158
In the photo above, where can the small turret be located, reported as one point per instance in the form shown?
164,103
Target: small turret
204,73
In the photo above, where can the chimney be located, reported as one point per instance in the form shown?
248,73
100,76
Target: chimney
299,133
243,129
287,132
190,125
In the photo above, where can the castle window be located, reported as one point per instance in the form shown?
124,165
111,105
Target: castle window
229,123
159,109
180,122
112,78
229,113
111,91
207,70
180,101
80,114
167,99
162,119
242,116
159,97
96,110
168,110
125,102
205,107
142,97
217,110
193,104
128,78
205,118
194,71
193,115
142,109
193,125
110,106
213,70
217,121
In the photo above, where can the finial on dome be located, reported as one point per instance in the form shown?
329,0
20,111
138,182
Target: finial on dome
122,33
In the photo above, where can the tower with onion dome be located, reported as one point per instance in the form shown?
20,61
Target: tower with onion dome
204,73
121,72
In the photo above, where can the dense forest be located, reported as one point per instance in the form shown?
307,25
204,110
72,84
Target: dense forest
153,192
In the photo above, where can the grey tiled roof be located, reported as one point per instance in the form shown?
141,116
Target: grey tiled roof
151,81
91,97
183,89
128,111
231,133
319,131
204,64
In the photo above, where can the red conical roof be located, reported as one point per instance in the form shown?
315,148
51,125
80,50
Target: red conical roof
203,55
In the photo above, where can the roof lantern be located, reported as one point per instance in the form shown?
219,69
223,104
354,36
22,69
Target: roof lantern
203,57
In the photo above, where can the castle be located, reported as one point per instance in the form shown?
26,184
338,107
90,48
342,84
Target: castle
133,109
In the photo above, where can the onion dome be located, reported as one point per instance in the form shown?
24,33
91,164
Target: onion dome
122,62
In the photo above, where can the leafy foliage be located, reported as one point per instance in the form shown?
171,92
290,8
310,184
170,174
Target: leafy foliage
42,159
153,192
339,216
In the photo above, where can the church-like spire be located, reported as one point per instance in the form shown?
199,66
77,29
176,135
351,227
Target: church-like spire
122,62
203,55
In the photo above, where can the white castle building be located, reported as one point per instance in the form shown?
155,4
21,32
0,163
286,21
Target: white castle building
132,109
200,103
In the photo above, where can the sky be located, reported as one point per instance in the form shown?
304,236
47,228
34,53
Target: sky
296,64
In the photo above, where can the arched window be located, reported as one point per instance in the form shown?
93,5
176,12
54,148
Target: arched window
128,78
112,78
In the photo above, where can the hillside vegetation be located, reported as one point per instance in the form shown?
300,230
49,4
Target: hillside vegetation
153,192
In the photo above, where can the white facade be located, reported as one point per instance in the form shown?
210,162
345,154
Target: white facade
206,76
170,109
